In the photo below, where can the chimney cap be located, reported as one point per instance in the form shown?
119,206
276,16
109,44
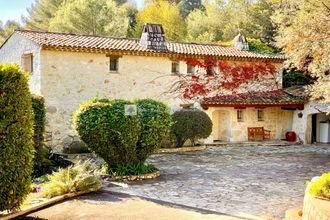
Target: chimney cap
240,42
152,28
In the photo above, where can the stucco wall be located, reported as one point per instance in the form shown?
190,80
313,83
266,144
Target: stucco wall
227,128
69,79
12,51
303,126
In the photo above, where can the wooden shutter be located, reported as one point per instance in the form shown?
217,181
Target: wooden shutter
27,62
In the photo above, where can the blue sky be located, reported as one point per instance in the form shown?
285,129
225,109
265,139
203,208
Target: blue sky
13,9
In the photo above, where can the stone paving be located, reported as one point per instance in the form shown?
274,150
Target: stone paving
261,181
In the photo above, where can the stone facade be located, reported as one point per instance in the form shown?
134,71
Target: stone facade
70,79
12,52
67,79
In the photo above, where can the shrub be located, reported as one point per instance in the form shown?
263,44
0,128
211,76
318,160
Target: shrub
105,128
293,78
82,176
133,169
16,132
122,140
42,163
320,187
191,124
156,122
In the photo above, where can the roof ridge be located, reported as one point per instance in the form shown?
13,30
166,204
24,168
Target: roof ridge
99,42
103,36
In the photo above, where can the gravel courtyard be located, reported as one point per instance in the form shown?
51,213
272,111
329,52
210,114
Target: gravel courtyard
262,181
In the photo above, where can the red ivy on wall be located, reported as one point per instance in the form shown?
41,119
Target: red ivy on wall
228,77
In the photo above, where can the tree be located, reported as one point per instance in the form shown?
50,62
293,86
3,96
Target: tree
7,29
40,13
303,33
222,20
259,24
205,25
187,6
101,17
164,13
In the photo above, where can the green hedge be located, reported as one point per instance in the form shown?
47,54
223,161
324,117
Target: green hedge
120,139
42,164
16,133
191,124
38,105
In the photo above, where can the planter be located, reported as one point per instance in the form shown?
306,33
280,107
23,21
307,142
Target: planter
181,149
291,136
146,176
315,208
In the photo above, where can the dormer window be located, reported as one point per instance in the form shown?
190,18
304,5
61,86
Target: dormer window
27,62
175,67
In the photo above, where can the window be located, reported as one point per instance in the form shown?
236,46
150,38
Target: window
190,69
27,62
240,115
114,64
175,67
260,114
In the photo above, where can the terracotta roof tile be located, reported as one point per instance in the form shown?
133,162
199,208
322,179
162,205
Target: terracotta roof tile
50,40
274,97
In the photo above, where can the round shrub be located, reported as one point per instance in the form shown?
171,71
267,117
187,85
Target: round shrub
156,123
191,124
16,132
120,139
111,134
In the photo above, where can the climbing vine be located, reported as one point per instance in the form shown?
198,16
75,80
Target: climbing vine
213,77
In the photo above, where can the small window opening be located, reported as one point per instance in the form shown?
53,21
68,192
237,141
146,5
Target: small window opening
240,115
260,114
175,67
190,69
114,64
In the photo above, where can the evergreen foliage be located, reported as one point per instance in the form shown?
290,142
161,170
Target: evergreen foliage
191,124
16,133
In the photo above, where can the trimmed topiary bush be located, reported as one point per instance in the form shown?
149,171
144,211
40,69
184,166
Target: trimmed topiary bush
16,132
122,140
156,122
105,128
191,124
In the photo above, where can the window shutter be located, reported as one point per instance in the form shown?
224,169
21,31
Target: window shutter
28,62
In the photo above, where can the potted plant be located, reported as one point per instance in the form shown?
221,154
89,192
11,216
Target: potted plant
317,198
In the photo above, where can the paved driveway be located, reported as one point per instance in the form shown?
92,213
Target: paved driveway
262,181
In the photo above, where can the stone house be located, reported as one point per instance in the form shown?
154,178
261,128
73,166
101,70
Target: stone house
68,69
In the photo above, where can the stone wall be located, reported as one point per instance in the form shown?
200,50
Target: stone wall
12,51
227,128
69,79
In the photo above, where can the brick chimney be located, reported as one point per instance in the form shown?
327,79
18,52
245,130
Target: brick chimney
153,37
